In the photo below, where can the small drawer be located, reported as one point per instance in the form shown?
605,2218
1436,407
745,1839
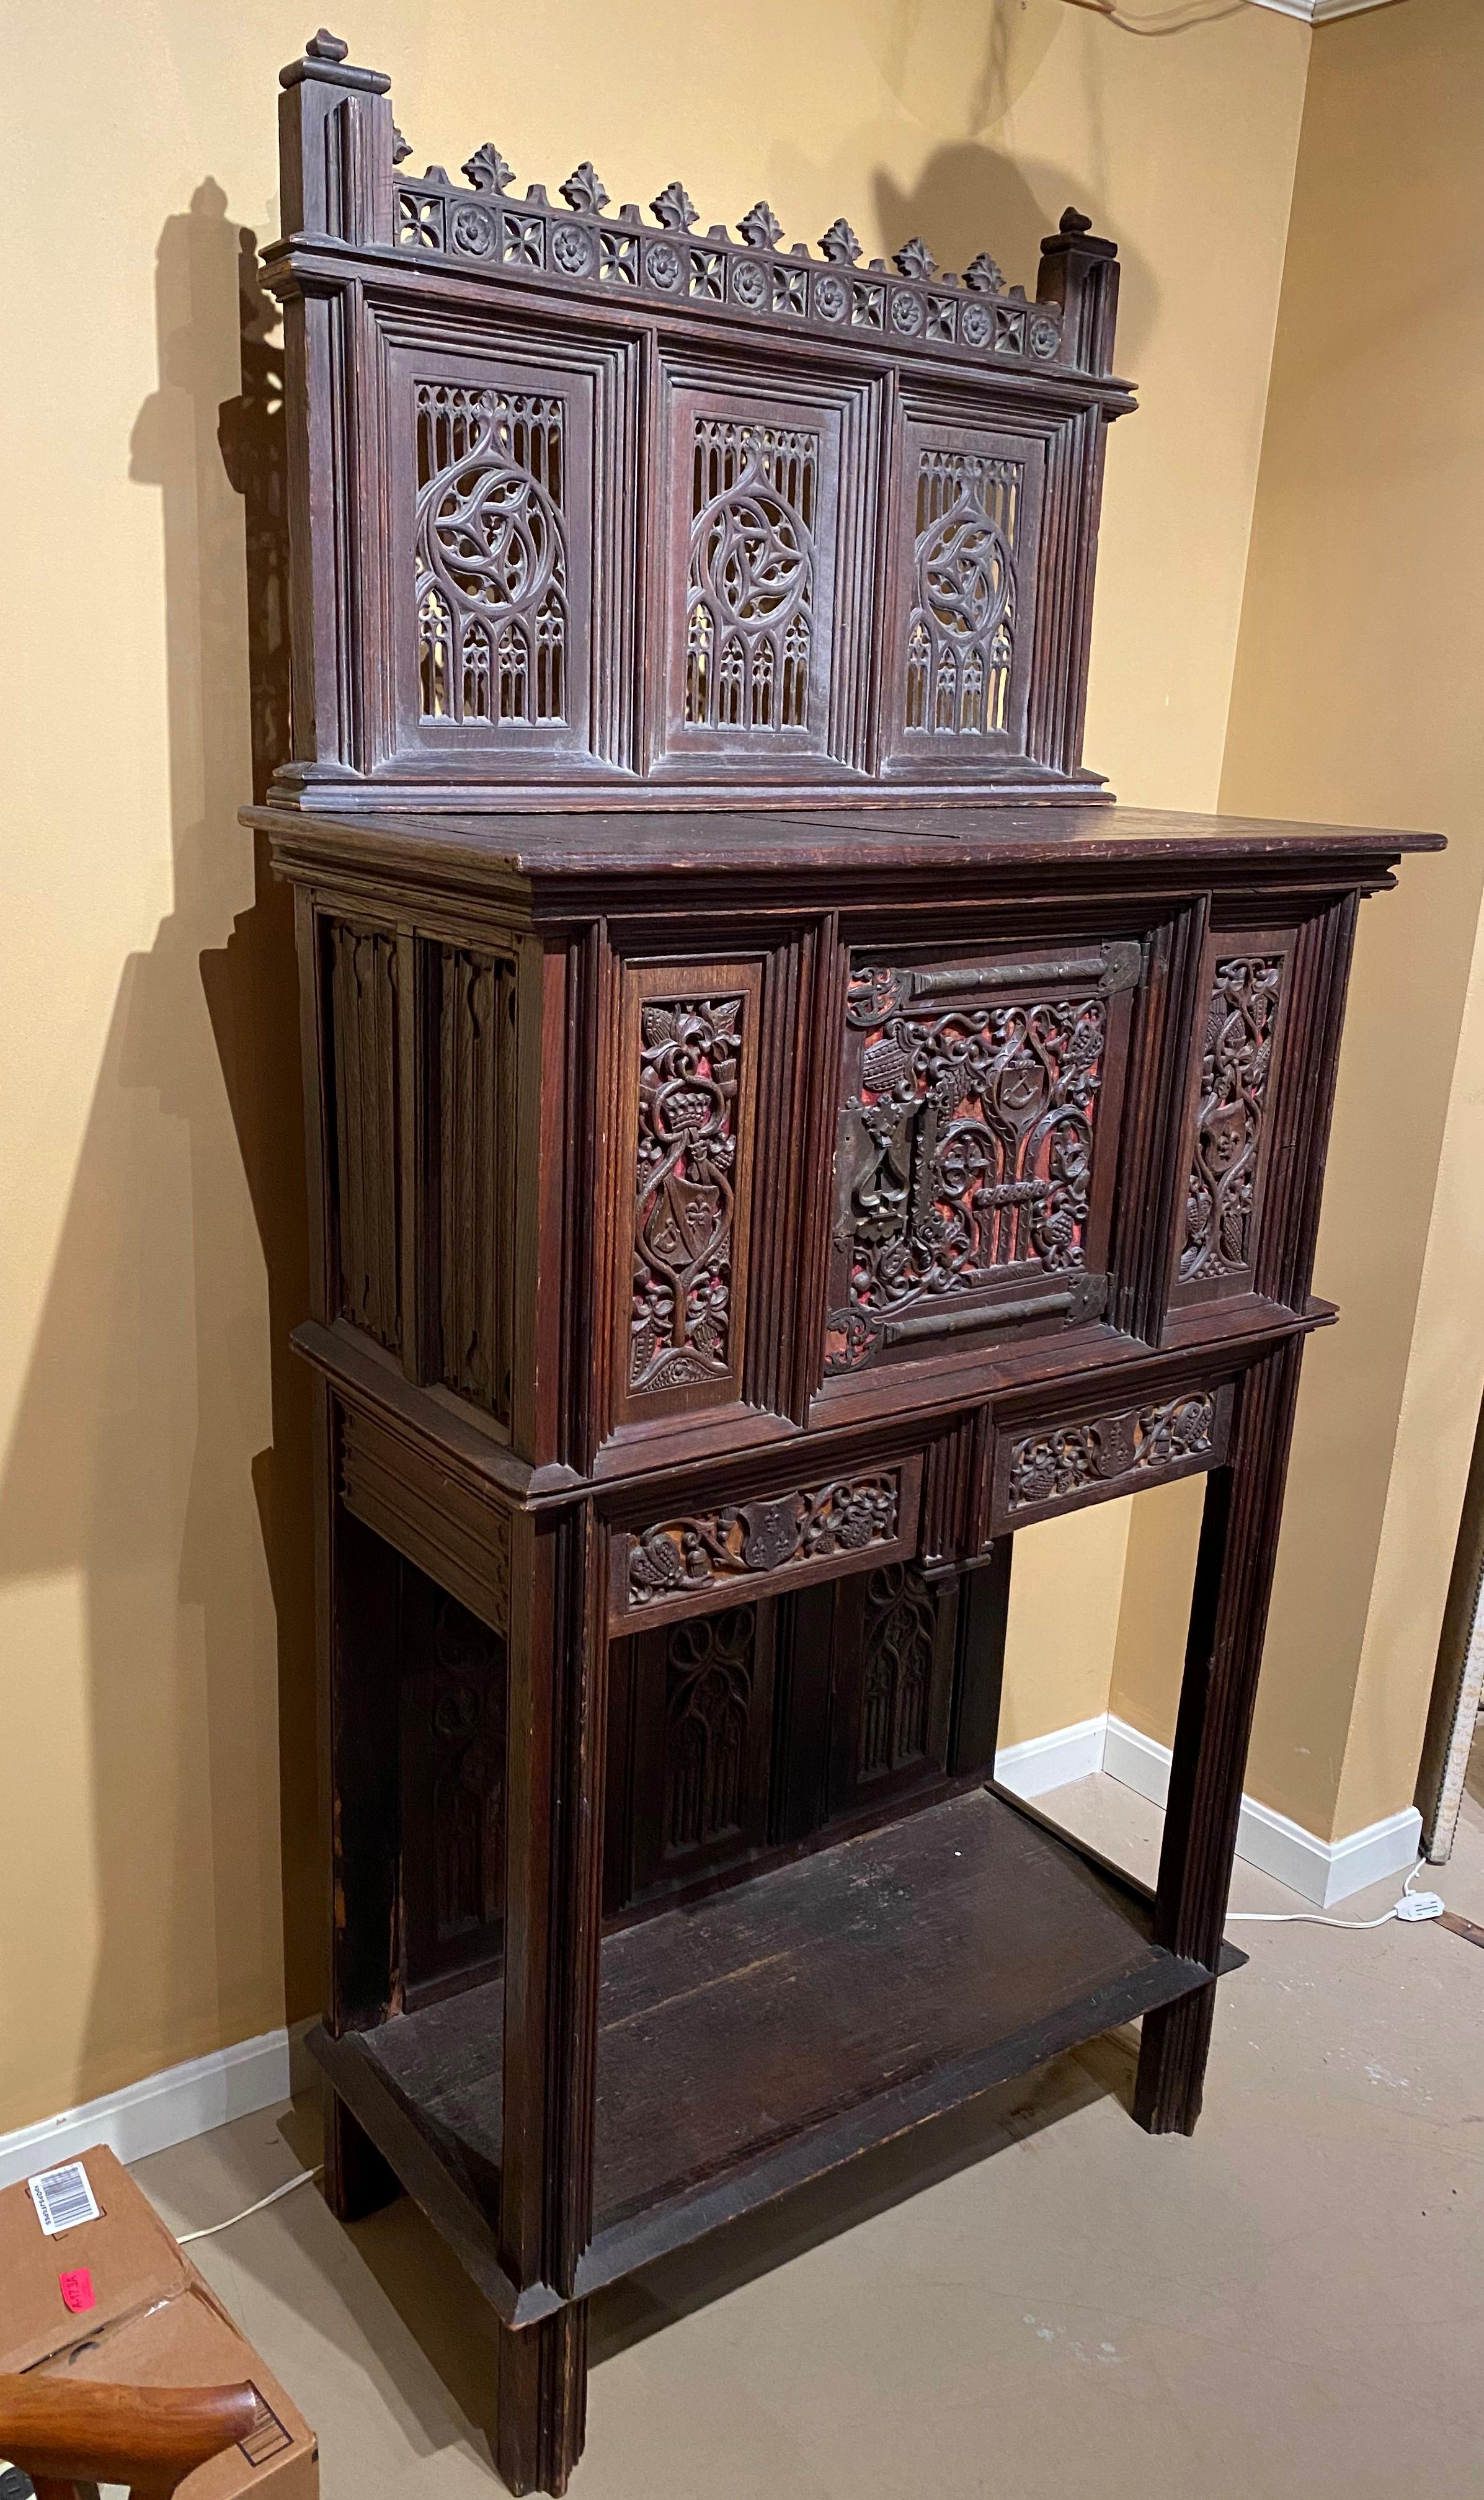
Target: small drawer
685,1561
1041,1468
977,1144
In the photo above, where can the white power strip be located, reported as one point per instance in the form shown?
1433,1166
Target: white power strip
1411,1906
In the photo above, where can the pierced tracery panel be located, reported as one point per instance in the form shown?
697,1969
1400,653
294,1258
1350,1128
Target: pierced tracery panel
962,627
750,606
491,559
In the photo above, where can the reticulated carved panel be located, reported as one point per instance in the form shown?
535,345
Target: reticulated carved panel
966,522
595,494
475,1174
751,598
493,589
453,1742
492,569
365,1058
689,1056
697,1557
753,553
969,1191
1217,1246
1062,1466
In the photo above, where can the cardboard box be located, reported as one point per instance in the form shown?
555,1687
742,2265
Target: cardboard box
152,2322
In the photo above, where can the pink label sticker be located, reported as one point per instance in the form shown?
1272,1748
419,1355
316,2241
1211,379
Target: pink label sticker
77,2290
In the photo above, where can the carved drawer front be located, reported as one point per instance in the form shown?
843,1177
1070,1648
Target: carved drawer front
689,1559
966,530
977,1147
1040,1470
689,1043
1227,1154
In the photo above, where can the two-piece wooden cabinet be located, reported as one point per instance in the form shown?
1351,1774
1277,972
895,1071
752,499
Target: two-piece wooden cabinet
775,1129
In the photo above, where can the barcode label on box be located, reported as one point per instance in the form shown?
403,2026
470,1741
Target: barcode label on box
268,2437
63,2198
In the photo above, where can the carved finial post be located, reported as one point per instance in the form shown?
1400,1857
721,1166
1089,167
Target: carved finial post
1079,272
337,144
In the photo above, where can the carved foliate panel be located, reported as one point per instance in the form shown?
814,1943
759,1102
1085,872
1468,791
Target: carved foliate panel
493,594
454,1740
365,1059
474,1173
966,520
1227,1149
689,1057
975,1148
699,1556
1042,1470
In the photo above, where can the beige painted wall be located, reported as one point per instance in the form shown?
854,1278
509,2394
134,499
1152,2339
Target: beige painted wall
1357,697
156,1806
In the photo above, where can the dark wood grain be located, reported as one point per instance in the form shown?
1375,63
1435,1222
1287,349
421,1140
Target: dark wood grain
776,1127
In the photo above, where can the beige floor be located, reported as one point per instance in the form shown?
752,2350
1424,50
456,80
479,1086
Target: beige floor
1290,2304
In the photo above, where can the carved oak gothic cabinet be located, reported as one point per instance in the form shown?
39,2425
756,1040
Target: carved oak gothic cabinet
774,1129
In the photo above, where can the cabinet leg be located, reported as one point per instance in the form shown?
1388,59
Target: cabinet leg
1172,2065
357,2179
1224,1651
542,2400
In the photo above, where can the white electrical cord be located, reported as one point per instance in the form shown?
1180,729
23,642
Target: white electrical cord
1411,1906
184,2238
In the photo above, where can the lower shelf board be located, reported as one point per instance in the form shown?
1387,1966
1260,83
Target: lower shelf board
772,2031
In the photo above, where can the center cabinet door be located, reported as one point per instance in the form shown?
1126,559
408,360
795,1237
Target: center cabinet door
976,1152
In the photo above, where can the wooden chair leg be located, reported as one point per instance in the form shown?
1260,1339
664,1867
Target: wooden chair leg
1224,1651
356,2180
542,2400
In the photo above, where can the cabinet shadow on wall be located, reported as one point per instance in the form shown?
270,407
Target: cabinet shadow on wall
134,1469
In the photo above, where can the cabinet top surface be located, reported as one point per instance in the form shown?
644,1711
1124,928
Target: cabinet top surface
847,845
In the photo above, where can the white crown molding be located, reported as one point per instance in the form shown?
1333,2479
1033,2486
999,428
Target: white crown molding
1321,1871
1318,13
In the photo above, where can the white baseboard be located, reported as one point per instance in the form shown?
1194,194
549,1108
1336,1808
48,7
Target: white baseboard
1052,1762
162,2109
1321,1871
